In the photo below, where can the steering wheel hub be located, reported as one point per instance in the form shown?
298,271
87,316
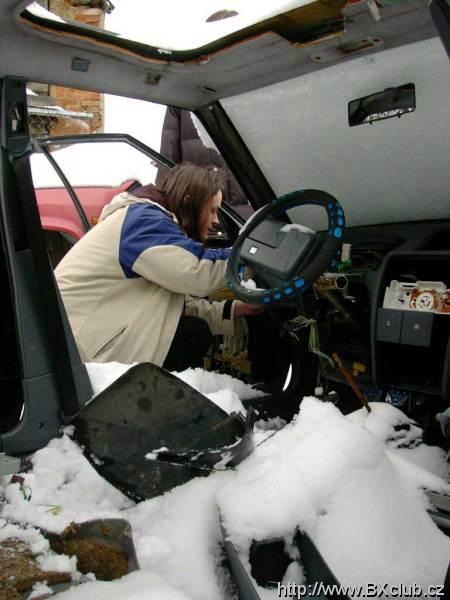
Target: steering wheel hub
288,258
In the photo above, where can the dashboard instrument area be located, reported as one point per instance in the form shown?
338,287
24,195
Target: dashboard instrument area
385,312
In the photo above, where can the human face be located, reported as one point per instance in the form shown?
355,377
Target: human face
209,215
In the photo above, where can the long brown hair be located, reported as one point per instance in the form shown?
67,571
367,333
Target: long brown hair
185,191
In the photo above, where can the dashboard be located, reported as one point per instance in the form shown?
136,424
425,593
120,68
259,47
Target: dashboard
386,313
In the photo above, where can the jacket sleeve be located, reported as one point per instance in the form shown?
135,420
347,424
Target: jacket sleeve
153,246
218,315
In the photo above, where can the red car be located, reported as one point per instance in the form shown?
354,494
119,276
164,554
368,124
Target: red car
75,176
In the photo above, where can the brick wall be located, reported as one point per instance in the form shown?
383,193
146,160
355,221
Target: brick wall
68,98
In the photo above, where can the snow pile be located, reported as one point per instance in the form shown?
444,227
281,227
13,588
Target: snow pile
104,374
59,563
140,585
388,424
40,590
31,536
402,436
358,500
178,537
39,547
64,489
355,484
225,391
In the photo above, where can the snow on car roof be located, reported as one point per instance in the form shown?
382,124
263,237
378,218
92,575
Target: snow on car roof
196,23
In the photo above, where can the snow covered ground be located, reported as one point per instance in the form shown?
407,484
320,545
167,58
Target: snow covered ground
346,480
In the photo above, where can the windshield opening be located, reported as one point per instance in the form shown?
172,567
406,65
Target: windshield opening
383,172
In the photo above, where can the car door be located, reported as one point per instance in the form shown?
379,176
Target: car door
41,375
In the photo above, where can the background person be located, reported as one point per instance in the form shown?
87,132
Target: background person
134,285
180,141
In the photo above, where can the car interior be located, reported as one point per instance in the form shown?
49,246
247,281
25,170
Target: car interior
334,119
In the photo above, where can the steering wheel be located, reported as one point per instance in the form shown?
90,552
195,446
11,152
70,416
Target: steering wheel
287,258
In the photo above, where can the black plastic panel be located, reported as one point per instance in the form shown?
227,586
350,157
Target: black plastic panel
389,323
416,328
279,252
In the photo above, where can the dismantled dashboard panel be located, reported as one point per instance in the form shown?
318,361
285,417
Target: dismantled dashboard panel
411,332
384,311
428,296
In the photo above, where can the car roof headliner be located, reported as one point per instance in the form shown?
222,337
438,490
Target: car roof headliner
37,53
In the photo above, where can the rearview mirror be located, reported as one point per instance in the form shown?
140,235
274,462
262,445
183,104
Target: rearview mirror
392,102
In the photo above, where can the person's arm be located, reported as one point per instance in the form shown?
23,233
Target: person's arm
222,320
153,246
222,317
219,315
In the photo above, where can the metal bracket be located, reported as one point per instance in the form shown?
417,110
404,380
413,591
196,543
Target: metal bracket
14,126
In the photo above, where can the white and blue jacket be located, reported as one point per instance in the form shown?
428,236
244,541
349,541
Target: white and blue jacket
126,283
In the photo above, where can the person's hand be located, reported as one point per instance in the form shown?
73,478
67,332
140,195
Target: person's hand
242,309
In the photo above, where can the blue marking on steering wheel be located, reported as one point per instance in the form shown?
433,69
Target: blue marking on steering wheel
322,260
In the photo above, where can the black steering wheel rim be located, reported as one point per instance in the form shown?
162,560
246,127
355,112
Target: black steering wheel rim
318,265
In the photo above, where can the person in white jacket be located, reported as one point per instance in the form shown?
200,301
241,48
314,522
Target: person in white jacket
134,286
